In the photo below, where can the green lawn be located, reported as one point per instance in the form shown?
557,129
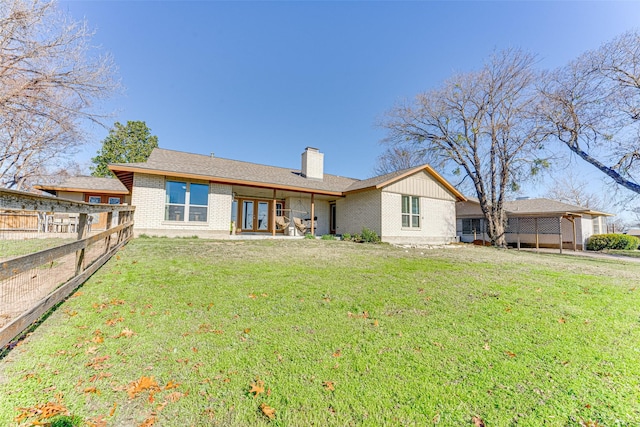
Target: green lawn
178,331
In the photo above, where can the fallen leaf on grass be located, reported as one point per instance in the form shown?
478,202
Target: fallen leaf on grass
92,390
113,409
175,396
562,320
486,346
477,422
41,412
510,354
257,387
97,422
328,385
337,353
268,411
111,322
127,333
171,385
148,422
138,386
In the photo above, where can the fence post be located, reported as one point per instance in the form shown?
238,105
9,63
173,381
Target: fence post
82,233
107,240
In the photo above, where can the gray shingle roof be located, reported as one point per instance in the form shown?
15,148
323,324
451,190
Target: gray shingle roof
215,167
89,183
168,162
540,206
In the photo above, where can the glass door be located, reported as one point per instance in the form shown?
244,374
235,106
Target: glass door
263,216
247,215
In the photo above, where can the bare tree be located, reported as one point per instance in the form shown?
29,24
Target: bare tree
593,106
398,157
572,190
482,122
50,79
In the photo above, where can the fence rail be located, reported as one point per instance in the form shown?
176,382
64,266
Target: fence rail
32,284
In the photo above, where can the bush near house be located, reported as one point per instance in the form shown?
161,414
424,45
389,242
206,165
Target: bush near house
598,242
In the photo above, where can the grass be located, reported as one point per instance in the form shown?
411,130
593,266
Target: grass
14,248
629,253
336,333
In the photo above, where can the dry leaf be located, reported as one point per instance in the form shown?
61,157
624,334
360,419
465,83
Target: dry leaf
562,320
268,411
257,387
113,409
138,386
486,346
111,322
328,385
92,390
97,422
148,422
171,385
126,332
436,419
337,353
477,421
510,354
175,396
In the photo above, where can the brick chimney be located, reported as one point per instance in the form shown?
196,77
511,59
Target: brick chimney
312,163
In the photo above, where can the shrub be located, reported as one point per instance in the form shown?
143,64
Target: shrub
346,236
598,242
370,236
309,236
328,237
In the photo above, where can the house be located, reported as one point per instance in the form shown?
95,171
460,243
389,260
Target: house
184,194
90,189
540,223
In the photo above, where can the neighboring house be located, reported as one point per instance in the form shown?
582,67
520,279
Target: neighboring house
90,189
540,223
633,232
184,194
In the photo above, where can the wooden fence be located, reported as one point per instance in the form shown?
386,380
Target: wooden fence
32,284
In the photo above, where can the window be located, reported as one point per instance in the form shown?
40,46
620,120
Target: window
471,226
95,199
186,201
114,200
410,211
596,225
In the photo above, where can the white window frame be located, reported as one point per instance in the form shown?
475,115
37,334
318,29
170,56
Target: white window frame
412,218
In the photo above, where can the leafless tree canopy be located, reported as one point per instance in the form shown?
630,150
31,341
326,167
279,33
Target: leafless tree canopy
482,122
593,106
49,82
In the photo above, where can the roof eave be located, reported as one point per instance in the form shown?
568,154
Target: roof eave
221,180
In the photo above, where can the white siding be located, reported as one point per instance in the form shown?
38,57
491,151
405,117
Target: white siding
421,184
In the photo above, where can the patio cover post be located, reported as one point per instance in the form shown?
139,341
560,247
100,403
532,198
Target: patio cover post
313,212
560,232
273,214
518,232
537,238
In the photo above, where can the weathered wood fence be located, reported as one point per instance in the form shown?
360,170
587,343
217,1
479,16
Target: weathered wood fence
32,284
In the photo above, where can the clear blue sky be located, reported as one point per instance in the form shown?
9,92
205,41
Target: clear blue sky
260,81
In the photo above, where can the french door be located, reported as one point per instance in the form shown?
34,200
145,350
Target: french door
255,215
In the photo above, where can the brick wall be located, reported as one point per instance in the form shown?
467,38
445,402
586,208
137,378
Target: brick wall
149,199
357,211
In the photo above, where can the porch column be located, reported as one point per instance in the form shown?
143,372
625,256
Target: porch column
313,213
575,240
560,232
273,214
